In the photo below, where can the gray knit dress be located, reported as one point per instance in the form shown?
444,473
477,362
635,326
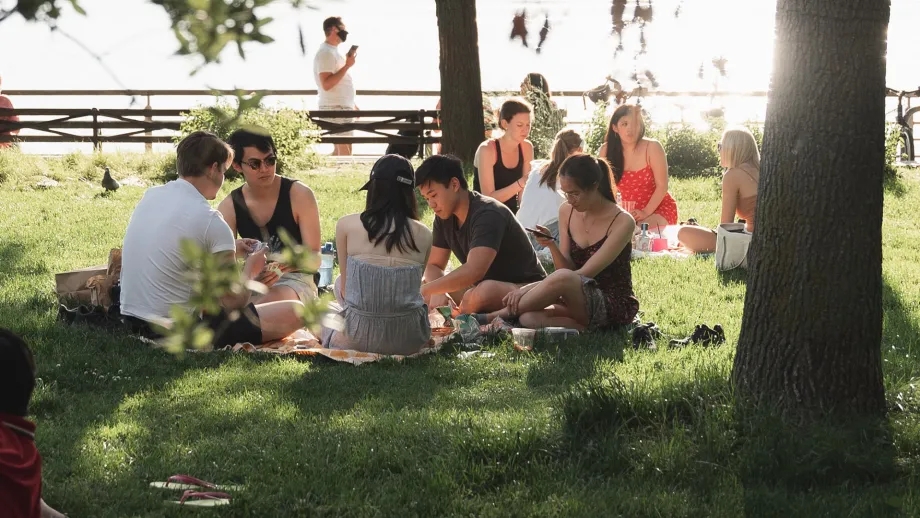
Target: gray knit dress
383,310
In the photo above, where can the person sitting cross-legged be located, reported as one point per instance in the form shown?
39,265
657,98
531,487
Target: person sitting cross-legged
739,155
592,285
267,204
154,275
382,254
493,249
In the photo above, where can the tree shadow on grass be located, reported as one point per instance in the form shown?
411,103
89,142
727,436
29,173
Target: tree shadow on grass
560,364
16,261
734,276
895,186
901,334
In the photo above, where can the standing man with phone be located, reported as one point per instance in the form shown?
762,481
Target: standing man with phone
330,69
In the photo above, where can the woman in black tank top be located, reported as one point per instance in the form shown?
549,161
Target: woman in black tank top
493,177
282,217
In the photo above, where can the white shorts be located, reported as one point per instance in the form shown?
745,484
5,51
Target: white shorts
343,120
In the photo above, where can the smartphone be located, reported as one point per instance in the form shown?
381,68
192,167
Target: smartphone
538,233
352,50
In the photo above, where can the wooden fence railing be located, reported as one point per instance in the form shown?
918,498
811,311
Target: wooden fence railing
137,126
140,125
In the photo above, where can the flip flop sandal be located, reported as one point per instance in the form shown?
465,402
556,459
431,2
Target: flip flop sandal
202,499
185,482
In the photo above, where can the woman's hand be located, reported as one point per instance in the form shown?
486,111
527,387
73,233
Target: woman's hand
544,241
512,299
639,214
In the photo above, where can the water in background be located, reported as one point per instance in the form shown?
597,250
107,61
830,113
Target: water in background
578,54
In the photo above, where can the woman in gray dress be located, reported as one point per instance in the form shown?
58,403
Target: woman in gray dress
382,254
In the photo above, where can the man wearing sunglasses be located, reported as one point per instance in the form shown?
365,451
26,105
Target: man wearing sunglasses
267,204
335,88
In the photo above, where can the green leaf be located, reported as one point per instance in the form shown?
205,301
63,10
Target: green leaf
77,7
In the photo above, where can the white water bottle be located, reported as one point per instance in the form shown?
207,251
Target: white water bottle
619,198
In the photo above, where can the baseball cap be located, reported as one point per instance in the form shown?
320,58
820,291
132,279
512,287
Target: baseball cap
394,168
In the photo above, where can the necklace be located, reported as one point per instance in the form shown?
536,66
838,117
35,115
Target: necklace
584,221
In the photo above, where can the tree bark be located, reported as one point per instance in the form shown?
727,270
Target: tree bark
461,84
810,340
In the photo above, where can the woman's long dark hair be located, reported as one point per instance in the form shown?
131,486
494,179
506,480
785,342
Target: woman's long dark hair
566,141
589,173
614,144
390,206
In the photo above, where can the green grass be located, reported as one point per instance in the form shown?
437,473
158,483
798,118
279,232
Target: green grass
589,429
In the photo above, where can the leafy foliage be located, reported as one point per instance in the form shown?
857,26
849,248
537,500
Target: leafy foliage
892,137
690,151
547,121
292,130
202,27
596,129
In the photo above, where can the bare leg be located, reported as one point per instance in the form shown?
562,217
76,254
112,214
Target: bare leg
486,296
561,284
697,239
277,293
279,319
547,318
342,150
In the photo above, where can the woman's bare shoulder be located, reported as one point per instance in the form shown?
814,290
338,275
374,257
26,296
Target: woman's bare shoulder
654,145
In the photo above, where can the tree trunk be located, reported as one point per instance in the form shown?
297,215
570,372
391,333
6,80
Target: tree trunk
810,340
461,84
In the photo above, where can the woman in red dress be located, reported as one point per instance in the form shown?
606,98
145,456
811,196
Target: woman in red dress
640,168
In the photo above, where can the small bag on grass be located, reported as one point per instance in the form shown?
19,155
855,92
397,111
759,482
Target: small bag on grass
72,288
732,243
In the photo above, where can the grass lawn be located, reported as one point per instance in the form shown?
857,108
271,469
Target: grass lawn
591,429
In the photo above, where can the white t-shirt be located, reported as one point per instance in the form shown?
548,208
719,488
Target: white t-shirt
328,59
540,203
153,270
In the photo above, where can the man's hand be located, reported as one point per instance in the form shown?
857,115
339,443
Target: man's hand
350,60
245,246
49,512
437,300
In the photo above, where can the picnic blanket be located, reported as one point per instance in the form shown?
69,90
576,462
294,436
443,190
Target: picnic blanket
303,342
674,253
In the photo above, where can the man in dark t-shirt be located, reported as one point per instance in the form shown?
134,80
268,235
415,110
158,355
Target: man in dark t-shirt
494,251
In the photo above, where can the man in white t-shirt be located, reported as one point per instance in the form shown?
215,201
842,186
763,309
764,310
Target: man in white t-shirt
333,82
154,275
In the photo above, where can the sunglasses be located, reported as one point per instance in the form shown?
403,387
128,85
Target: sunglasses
719,147
256,163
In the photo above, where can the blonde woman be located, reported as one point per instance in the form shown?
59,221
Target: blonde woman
739,154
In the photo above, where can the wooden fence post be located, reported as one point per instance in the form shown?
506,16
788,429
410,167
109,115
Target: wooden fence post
97,145
148,147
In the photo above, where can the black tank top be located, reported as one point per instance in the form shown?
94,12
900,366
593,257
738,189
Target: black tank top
504,176
283,217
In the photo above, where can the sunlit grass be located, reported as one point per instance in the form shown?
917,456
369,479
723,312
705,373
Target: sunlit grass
588,428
